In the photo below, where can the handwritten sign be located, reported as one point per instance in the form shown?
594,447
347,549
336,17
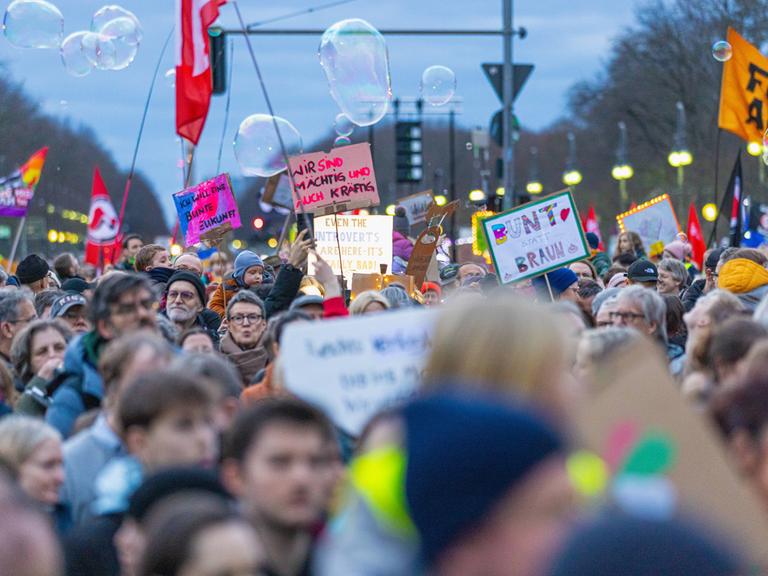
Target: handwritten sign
535,238
336,181
365,241
416,206
207,209
655,221
365,363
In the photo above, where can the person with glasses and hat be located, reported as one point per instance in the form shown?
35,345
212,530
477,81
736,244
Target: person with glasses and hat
246,324
122,304
185,304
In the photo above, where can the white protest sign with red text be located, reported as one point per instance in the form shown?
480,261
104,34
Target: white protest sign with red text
336,181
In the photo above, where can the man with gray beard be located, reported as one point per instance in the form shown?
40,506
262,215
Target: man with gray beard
185,305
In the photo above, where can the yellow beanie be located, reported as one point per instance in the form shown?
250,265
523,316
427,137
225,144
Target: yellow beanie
741,276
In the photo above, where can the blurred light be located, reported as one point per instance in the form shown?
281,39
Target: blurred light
84,219
476,195
176,250
709,212
622,172
500,191
237,244
62,237
534,187
441,200
50,208
272,242
258,223
53,235
747,234
390,211
363,212
678,158
754,148
572,178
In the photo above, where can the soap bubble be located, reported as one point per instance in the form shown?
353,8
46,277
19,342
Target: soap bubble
123,33
722,51
72,55
343,125
33,24
107,14
354,57
438,85
341,141
100,50
170,77
257,147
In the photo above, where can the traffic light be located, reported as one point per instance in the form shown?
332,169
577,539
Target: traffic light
218,59
409,158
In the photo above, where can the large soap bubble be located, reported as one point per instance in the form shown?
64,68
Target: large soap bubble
341,141
100,50
343,125
33,24
722,51
170,77
123,33
438,85
257,147
107,14
72,55
354,56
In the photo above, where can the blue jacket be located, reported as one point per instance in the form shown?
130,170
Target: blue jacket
79,388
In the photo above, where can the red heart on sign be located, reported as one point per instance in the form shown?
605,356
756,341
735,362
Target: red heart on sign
564,214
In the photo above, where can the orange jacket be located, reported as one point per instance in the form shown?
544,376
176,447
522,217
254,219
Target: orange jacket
264,389
218,301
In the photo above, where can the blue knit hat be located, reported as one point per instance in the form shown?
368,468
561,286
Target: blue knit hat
464,453
246,259
559,279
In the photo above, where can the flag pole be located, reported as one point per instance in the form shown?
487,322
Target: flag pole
16,239
713,233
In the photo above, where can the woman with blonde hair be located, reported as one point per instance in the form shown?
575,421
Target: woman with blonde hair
369,302
503,344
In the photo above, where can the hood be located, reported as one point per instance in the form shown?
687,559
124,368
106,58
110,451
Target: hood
741,276
76,364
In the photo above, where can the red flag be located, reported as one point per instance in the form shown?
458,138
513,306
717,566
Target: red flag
696,237
100,248
591,225
193,66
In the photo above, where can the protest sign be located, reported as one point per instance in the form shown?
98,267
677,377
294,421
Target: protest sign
659,450
422,255
365,241
535,238
479,243
416,206
17,190
207,211
336,181
353,368
436,214
654,221
277,191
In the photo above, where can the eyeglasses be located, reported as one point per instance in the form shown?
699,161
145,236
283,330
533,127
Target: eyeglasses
240,319
185,296
625,316
124,309
23,320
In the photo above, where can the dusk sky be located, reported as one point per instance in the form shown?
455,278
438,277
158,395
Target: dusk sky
567,41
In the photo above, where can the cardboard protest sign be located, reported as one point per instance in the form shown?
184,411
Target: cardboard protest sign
366,243
336,181
277,191
436,214
416,206
655,221
422,255
535,238
353,368
657,445
207,211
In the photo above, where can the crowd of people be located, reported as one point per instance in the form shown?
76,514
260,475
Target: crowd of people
146,429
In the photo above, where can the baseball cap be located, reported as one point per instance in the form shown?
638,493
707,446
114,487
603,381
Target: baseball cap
643,271
64,303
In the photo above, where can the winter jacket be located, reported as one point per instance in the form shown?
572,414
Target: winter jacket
693,293
402,248
247,362
79,387
281,295
36,397
601,262
261,390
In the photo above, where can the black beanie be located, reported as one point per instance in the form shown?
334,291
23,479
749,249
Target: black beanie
32,269
188,277
400,222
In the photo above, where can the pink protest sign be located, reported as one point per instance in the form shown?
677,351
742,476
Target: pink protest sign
336,181
207,211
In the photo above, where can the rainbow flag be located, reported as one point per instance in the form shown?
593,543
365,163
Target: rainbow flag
17,190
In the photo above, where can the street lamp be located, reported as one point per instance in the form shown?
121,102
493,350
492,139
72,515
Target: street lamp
476,196
571,176
709,211
758,149
622,170
534,186
680,156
